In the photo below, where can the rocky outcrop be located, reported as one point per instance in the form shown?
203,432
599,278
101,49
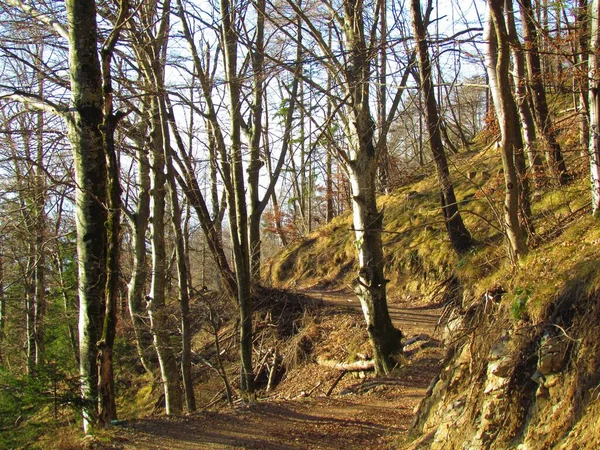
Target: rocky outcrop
510,383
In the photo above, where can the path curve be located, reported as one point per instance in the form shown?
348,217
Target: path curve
376,419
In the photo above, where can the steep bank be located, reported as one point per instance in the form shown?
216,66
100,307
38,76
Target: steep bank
522,367
523,357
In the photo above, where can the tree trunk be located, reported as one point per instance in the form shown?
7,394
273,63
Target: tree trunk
545,127
522,96
384,160
459,235
594,67
2,305
498,57
182,270
139,273
66,305
156,301
255,211
106,387
370,286
84,129
582,73
39,203
30,309
238,217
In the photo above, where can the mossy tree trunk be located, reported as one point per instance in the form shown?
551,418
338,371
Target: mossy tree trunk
85,134
370,286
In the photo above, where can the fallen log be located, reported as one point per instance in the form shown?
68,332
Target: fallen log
357,366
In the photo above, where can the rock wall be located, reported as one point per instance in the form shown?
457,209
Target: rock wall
510,383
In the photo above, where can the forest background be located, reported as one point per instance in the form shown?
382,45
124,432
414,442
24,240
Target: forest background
155,149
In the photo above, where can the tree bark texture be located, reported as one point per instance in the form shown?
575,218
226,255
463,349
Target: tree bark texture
84,128
370,286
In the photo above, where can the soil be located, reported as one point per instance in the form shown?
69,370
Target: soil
362,412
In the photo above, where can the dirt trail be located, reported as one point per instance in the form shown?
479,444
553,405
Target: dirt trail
375,415
411,318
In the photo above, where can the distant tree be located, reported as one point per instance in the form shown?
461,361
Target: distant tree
545,128
459,235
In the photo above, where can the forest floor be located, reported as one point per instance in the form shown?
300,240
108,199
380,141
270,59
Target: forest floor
367,413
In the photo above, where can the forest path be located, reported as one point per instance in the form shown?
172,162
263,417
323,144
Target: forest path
376,415
410,316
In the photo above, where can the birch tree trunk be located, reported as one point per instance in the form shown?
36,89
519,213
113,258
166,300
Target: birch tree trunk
84,129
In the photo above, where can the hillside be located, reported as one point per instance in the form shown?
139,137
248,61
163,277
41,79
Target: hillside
522,364
500,356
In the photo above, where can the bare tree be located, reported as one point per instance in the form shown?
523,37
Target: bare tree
498,58
459,235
